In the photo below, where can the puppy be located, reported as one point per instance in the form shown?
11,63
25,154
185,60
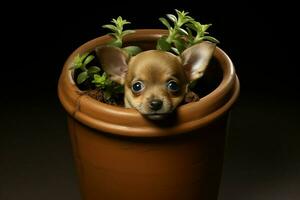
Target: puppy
155,81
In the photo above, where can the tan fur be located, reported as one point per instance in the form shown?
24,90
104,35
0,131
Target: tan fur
155,68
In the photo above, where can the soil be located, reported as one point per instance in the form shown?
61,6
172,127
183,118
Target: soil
116,100
204,86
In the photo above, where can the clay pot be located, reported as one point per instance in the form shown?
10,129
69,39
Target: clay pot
121,155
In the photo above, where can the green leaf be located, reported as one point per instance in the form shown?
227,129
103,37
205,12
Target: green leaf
117,31
122,22
209,38
182,18
191,26
181,14
189,39
96,78
77,63
175,50
115,43
83,56
114,35
132,50
93,70
102,81
162,44
190,34
173,18
127,32
88,59
180,45
119,89
119,22
82,77
165,22
114,21
185,33
77,58
205,27
111,27
197,40
99,80
182,31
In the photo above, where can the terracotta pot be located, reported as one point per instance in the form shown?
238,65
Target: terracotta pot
121,155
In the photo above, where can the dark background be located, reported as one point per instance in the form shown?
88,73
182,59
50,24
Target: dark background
262,158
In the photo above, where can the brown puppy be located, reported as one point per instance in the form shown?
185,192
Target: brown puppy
155,81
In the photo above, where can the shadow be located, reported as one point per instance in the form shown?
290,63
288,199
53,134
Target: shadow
167,121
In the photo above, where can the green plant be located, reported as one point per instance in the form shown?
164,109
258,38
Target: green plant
184,33
180,35
201,33
174,40
118,32
92,75
109,87
80,63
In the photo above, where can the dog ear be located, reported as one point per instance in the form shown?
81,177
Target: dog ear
113,61
196,58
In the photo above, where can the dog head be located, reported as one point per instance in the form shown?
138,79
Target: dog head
155,81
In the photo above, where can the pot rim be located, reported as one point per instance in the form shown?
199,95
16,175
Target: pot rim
129,122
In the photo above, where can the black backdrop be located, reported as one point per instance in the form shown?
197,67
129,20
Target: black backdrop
261,38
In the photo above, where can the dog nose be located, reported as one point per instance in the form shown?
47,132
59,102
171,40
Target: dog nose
156,104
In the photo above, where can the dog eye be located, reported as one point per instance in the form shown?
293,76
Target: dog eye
137,87
172,86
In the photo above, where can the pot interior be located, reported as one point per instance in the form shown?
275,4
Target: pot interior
219,88
206,84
